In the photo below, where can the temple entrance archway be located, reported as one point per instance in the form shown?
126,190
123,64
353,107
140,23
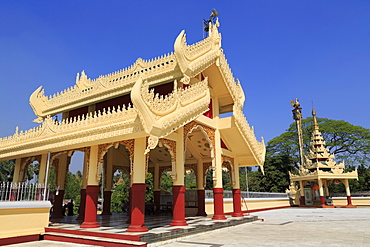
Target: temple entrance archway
199,157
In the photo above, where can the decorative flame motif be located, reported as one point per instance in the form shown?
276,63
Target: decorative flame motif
82,128
193,59
161,116
105,86
258,148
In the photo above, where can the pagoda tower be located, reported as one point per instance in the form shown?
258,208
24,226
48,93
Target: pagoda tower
319,157
320,168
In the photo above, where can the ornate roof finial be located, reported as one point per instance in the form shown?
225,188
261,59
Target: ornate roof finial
211,22
315,124
297,116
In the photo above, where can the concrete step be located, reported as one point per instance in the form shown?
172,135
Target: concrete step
132,237
91,240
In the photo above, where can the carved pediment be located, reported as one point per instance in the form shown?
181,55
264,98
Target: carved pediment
194,58
38,103
161,115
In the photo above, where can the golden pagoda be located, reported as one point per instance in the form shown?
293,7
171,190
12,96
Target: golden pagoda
319,168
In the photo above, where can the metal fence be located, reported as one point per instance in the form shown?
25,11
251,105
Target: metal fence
353,194
23,192
245,194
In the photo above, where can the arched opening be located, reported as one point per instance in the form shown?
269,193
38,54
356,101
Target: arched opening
115,180
71,170
199,159
161,161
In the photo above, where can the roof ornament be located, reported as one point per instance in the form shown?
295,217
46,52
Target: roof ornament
162,115
213,20
38,104
315,124
297,116
206,51
82,81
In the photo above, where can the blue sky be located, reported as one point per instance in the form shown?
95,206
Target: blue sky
317,51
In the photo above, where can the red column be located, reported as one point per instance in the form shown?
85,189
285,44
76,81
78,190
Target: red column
39,194
201,203
237,204
92,192
128,221
218,204
58,205
157,200
13,194
178,199
137,208
81,211
349,201
302,201
322,200
106,203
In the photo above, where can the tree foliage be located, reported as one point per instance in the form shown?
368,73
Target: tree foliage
166,182
121,193
226,181
362,184
190,180
348,142
120,196
242,177
6,171
72,187
276,178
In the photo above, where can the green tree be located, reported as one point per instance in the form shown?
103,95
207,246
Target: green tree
209,180
120,194
363,182
276,178
149,194
242,177
226,180
72,187
166,182
348,142
190,180
51,178
7,170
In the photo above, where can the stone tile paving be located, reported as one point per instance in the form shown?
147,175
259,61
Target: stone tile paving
283,227
47,243
290,227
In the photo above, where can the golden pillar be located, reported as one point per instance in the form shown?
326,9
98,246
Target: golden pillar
218,191
17,171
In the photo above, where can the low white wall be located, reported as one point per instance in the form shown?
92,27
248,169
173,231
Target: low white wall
19,218
250,204
337,201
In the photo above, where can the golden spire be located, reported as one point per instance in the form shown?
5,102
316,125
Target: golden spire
315,124
120,180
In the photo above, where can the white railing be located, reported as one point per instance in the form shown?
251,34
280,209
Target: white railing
245,194
23,192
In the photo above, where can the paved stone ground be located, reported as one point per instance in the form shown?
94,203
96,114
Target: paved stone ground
291,227
282,227
47,243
